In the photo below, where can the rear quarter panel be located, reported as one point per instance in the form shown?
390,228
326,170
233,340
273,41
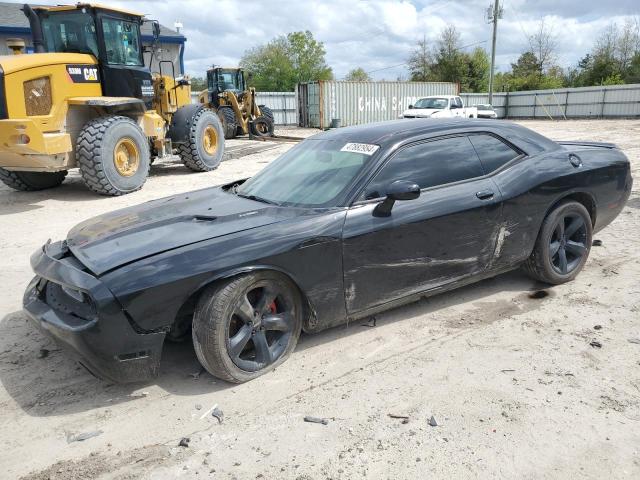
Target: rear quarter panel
531,187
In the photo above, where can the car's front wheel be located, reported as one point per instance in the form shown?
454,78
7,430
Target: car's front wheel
563,244
246,326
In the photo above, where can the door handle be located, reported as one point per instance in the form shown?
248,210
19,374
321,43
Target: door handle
485,195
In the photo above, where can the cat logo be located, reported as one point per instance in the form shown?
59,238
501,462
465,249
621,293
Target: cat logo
83,73
90,74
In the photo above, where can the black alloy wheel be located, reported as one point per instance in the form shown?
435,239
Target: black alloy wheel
260,327
567,245
563,244
246,326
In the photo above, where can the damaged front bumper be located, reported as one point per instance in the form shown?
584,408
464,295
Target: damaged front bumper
71,305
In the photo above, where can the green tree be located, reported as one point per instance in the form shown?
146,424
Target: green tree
307,58
450,65
615,79
286,60
270,66
358,75
198,84
420,62
478,65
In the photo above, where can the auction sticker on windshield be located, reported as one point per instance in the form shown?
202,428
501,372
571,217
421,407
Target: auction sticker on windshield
365,148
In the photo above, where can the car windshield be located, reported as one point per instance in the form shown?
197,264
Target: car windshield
315,173
431,103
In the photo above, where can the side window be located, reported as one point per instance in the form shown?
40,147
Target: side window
459,102
428,164
493,152
121,40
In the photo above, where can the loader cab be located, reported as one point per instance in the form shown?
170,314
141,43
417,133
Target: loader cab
224,79
111,36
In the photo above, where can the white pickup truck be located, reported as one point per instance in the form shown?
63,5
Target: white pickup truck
440,106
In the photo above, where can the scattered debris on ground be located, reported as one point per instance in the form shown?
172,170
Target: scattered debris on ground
184,442
597,243
432,421
595,344
81,437
323,421
217,413
43,353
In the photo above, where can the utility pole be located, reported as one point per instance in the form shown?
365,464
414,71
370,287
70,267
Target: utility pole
494,12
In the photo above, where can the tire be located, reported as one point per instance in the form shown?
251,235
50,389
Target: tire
31,181
262,127
267,112
195,154
219,318
228,120
569,240
113,155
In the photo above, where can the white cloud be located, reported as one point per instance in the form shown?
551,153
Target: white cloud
377,33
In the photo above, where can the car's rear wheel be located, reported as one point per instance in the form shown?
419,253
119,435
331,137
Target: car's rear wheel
563,244
246,326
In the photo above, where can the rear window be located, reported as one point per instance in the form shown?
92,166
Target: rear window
493,152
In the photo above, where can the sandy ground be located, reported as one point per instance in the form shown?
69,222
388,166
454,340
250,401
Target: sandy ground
512,381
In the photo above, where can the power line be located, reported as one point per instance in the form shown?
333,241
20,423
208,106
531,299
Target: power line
407,63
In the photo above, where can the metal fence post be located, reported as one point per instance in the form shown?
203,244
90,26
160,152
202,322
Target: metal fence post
506,106
566,104
604,95
535,104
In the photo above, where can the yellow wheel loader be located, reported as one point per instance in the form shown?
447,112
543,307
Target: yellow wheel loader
85,99
228,95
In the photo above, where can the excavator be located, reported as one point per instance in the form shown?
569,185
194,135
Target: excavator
85,99
228,95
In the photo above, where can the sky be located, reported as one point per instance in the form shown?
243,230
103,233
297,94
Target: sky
378,34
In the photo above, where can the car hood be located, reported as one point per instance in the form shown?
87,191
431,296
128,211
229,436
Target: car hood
421,112
108,241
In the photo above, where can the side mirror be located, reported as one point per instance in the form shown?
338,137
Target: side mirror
410,107
398,190
156,30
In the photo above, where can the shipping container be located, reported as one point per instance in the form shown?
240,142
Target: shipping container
355,103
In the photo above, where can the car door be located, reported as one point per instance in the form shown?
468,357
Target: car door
446,234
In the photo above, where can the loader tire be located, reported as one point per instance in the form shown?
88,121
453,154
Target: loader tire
228,120
204,148
267,112
262,127
113,155
31,181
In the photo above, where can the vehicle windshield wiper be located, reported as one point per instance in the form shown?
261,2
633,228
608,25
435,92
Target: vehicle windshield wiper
257,199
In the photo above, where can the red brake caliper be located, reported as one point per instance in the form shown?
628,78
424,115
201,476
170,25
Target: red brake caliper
272,307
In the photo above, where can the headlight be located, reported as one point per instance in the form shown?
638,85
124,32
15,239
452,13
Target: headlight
37,96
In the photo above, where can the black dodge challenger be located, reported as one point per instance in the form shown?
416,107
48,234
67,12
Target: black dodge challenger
347,223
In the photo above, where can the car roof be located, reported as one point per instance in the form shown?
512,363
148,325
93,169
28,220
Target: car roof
394,132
